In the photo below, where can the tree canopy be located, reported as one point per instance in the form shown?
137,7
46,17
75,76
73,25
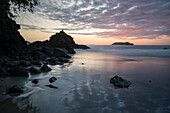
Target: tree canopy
12,7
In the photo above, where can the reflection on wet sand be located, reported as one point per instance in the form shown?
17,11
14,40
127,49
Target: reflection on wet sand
84,87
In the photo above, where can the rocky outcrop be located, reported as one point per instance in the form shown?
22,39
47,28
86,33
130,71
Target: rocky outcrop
12,43
122,43
60,40
16,55
120,82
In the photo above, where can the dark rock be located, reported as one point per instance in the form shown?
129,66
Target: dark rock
82,47
52,61
45,61
25,63
51,86
45,68
3,72
62,60
47,51
11,63
35,81
119,82
61,40
52,79
15,89
70,50
122,43
12,44
33,70
165,48
36,62
61,53
19,71
39,55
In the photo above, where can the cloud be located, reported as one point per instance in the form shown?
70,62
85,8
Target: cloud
140,19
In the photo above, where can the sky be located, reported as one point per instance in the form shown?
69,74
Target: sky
142,22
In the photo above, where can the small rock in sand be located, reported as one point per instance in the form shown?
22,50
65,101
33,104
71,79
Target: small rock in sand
119,82
52,79
35,81
51,86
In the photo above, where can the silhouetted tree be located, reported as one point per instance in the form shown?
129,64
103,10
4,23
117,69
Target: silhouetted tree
12,7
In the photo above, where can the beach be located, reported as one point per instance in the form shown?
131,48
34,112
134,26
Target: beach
84,83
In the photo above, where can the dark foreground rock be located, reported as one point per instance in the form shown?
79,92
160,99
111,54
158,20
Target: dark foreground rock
120,82
25,63
16,56
15,89
52,79
45,68
12,44
11,63
51,86
3,72
52,61
19,71
35,81
70,50
33,70
61,53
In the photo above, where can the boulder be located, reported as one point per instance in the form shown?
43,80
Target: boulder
19,71
52,79
33,70
70,50
119,82
11,63
62,60
45,68
25,63
15,89
35,81
36,62
39,55
3,72
61,53
52,61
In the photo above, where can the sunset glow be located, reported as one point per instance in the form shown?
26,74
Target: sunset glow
141,22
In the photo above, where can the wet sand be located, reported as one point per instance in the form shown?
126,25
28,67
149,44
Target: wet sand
84,87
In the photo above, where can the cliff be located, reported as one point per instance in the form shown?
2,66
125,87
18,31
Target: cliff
11,42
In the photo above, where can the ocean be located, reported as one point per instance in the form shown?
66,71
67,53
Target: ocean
84,83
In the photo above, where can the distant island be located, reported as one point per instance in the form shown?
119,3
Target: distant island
122,43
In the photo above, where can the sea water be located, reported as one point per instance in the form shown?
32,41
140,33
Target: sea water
84,83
